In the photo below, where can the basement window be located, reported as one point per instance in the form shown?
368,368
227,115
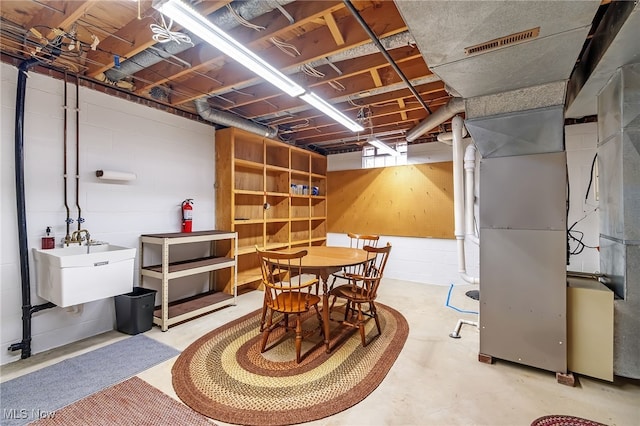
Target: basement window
373,158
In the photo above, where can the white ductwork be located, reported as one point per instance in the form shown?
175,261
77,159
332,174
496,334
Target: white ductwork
453,107
232,120
458,197
447,137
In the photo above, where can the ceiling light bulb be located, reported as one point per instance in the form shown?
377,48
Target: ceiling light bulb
194,22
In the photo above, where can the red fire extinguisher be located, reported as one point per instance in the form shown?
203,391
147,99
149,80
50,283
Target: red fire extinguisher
187,215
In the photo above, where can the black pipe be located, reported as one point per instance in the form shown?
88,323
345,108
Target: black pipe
68,219
384,52
80,218
27,309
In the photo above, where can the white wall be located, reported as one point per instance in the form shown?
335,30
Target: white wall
173,159
581,142
434,261
426,260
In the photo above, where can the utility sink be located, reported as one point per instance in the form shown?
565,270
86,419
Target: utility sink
70,276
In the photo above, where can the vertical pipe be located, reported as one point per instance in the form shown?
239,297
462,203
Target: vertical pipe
80,218
469,184
458,197
64,174
25,345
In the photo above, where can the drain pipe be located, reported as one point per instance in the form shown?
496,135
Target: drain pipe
447,137
232,120
458,197
68,219
456,331
469,185
442,114
27,309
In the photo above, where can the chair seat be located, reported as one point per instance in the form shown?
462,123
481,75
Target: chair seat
294,302
347,291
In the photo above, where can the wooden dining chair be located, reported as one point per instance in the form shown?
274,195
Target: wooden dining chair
286,291
355,241
362,289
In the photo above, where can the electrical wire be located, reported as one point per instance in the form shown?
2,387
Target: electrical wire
311,71
337,86
571,234
243,21
163,34
287,48
593,164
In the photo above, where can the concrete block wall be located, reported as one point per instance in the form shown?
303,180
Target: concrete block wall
173,159
581,142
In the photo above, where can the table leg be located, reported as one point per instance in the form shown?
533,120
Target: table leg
324,276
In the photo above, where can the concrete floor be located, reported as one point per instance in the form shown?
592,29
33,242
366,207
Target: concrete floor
436,380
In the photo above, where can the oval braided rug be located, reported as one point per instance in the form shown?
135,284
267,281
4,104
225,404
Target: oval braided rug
224,376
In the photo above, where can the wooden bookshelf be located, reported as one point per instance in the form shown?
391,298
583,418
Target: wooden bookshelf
255,196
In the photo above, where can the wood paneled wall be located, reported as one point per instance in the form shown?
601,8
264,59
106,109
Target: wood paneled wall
411,201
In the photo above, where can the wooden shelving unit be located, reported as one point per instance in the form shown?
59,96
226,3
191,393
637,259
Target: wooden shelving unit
256,199
220,263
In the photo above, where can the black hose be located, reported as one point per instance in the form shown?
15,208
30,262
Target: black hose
25,345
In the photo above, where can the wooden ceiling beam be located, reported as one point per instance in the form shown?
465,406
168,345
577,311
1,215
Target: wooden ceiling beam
47,17
203,55
377,81
315,47
336,134
333,28
402,106
138,32
349,68
379,118
430,92
353,86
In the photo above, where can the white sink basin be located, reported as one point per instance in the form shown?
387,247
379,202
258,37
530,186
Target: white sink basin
70,276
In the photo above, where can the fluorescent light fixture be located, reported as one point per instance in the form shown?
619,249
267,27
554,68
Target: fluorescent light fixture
383,147
193,21
328,109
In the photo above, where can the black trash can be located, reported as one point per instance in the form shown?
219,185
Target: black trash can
134,311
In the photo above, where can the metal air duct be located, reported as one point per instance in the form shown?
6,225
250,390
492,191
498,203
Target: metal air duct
223,18
453,107
232,120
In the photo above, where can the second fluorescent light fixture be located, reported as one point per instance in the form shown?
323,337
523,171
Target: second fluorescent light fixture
193,21
325,107
382,146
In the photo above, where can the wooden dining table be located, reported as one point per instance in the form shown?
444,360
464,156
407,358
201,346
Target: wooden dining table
323,261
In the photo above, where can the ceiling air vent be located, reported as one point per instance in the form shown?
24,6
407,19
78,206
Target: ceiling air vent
503,41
